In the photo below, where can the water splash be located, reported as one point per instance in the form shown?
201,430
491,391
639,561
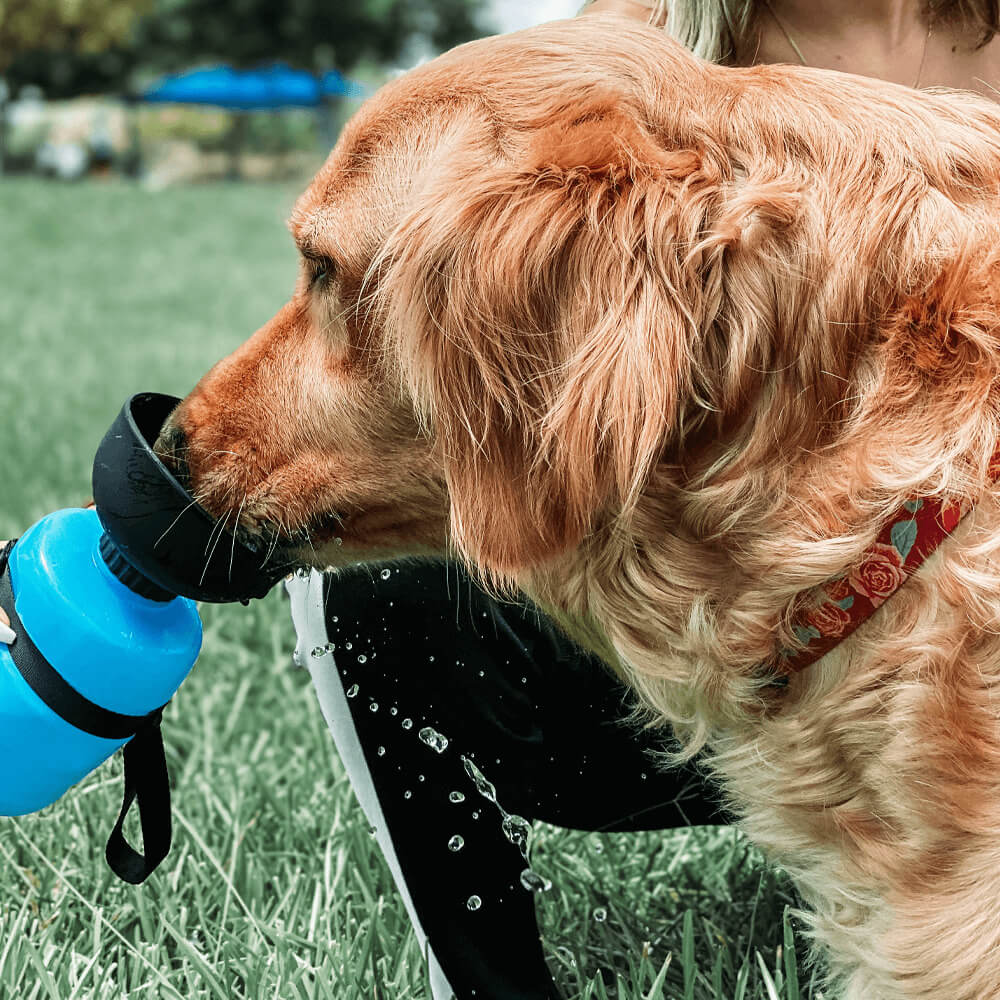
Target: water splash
518,831
534,882
433,739
515,828
483,786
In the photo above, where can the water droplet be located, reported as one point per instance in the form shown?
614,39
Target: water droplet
330,647
362,658
317,652
407,723
598,848
643,776
335,619
484,787
518,831
524,680
348,645
352,691
420,777
297,658
456,797
456,843
386,573
600,914
475,815
407,795
473,903
433,739
393,710
373,707
302,573
534,882
338,541
482,673
430,659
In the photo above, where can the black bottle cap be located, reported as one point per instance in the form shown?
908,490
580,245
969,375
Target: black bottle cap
126,573
156,526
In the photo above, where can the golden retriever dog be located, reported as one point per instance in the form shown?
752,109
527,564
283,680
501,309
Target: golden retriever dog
664,345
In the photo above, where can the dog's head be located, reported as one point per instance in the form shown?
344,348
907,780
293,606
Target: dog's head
534,272
486,344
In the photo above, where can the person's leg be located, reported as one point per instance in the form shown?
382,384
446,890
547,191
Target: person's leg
423,656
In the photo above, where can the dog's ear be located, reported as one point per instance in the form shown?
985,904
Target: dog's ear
541,311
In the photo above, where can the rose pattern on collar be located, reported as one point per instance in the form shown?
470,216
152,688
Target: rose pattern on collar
833,610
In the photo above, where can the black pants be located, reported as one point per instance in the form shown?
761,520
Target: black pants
425,656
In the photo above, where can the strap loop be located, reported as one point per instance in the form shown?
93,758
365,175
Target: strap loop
148,782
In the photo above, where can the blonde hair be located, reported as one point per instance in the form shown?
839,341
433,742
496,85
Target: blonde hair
719,30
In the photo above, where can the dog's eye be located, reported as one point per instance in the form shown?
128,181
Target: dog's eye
320,269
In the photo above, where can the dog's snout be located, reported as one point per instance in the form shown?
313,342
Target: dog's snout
172,440
171,447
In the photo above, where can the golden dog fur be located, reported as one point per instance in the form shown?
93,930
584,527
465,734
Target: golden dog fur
663,344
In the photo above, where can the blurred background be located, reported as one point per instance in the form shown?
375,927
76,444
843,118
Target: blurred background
174,91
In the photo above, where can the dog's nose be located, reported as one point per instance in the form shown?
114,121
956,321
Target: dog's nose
171,441
171,449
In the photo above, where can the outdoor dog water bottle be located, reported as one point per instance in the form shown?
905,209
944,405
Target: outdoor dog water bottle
103,637
97,655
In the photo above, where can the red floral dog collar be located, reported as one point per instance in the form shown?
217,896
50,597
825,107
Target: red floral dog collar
833,610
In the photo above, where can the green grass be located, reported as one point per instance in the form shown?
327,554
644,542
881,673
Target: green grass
274,887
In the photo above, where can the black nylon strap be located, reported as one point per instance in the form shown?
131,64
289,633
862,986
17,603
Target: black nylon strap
146,781
53,689
146,777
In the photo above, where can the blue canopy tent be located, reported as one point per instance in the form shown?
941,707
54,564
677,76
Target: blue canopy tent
264,89
268,88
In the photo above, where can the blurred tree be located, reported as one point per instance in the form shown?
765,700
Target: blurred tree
65,32
79,25
75,46
312,34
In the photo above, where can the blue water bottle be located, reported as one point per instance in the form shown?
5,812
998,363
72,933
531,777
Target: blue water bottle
104,635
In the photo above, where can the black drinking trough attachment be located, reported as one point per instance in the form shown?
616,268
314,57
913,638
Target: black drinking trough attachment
157,526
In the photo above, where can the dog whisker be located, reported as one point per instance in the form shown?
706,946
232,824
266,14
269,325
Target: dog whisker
193,503
212,553
232,554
